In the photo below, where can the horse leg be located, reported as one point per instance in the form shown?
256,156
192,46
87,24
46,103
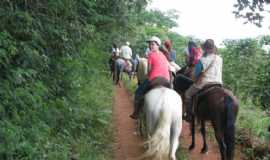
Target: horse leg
203,133
230,140
229,134
120,75
220,139
117,77
130,75
174,138
113,77
192,132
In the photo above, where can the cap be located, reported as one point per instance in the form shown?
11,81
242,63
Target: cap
154,39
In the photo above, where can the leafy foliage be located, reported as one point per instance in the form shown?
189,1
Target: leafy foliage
48,108
52,69
251,10
246,69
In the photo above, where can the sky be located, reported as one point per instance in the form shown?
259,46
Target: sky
213,19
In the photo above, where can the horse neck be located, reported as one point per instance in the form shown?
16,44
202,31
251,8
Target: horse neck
142,68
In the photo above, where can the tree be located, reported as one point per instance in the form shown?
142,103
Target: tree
246,70
251,10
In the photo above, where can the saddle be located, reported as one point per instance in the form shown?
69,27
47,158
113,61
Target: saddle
157,82
207,89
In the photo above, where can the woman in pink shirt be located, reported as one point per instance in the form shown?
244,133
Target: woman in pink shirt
158,74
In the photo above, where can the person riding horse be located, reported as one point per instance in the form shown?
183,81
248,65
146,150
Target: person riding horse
171,55
208,70
193,54
126,54
158,74
114,55
121,62
213,102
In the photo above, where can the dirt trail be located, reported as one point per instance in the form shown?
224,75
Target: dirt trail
128,143
185,141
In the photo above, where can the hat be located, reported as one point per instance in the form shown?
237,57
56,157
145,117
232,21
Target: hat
154,39
127,43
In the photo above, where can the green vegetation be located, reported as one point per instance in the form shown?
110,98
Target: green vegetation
56,95
246,73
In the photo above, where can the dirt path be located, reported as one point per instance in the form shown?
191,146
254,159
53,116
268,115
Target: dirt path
128,143
185,141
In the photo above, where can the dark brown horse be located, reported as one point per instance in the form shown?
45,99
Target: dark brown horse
217,105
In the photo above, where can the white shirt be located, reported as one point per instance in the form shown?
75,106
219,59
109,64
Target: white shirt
214,73
126,52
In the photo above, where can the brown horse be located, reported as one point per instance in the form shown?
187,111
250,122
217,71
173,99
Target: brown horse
217,105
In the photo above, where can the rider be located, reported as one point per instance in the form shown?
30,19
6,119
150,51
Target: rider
208,70
172,55
115,50
126,54
193,54
114,55
158,74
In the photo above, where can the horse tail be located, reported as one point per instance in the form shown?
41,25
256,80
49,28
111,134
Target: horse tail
159,142
229,134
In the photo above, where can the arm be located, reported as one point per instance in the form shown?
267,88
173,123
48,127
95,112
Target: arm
148,68
149,62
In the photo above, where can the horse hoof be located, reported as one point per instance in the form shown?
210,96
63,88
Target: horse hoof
191,147
133,116
204,150
173,158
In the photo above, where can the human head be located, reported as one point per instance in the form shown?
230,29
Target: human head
168,44
164,50
114,45
127,43
191,44
154,43
209,46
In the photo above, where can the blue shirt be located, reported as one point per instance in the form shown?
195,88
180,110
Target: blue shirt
173,55
198,69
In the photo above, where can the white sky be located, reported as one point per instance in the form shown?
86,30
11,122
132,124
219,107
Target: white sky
210,19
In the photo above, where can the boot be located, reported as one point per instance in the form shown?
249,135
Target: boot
136,111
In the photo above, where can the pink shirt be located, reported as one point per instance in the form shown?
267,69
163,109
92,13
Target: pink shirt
159,65
196,54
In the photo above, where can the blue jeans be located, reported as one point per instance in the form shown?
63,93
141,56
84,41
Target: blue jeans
142,89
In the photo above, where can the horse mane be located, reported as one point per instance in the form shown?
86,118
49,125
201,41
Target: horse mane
142,70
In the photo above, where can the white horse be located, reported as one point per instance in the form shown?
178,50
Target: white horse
163,111
163,118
